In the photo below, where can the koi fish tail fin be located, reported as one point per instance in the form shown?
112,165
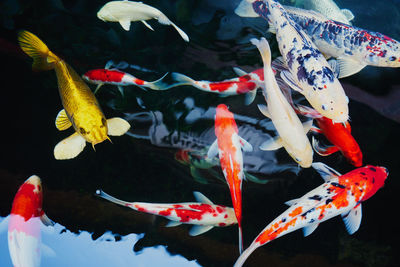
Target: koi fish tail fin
102,194
164,20
245,254
181,79
43,58
240,239
159,84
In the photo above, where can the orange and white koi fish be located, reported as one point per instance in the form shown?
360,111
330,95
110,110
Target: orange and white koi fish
229,147
247,84
204,215
120,79
125,12
24,236
339,195
337,133
291,133
81,109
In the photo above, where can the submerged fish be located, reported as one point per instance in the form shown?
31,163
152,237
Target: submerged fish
228,146
204,215
337,133
353,47
339,195
81,109
329,9
245,84
120,78
24,235
308,71
292,134
125,12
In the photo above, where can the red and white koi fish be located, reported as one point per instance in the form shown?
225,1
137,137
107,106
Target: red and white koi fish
337,133
120,79
339,195
204,215
229,147
308,71
247,84
24,236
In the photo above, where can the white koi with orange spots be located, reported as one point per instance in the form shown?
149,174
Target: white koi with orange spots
339,195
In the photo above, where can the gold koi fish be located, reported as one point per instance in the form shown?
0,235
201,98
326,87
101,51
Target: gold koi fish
81,109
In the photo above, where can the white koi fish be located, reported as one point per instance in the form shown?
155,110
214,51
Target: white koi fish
329,9
308,71
125,12
204,215
339,195
292,134
24,236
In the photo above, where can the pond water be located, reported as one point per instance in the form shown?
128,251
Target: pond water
142,166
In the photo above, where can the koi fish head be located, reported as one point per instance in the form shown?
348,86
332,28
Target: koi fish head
383,50
28,200
303,156
354,157
224,120
376,177
93,129
330,101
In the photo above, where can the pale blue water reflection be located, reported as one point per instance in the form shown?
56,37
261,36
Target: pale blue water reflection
64,248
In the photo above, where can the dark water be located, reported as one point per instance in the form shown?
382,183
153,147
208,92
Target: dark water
144,169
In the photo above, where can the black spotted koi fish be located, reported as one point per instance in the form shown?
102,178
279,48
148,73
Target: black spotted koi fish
339,195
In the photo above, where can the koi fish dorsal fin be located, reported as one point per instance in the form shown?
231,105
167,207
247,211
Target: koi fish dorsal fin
62,121
199,229
70,147
202,198
325,171
352,219
117,126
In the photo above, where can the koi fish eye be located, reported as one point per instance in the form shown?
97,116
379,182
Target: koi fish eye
392,58
298,160
103,122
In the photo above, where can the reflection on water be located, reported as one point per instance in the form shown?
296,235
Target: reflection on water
61,247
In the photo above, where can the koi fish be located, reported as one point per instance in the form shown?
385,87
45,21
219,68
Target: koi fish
308,71
228,146
120,78
339,195
24,236
353,47
337,133
245,84
291,133
204,215
329,9
125,12
81,109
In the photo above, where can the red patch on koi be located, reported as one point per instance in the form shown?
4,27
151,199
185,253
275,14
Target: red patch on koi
27,203
105,75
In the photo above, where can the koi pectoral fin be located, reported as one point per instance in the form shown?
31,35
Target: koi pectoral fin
172,224
213,150
246,146
352,219
323,150
309,229
117,126
126,24
199,229
62,121
271,144
70,147
46,221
